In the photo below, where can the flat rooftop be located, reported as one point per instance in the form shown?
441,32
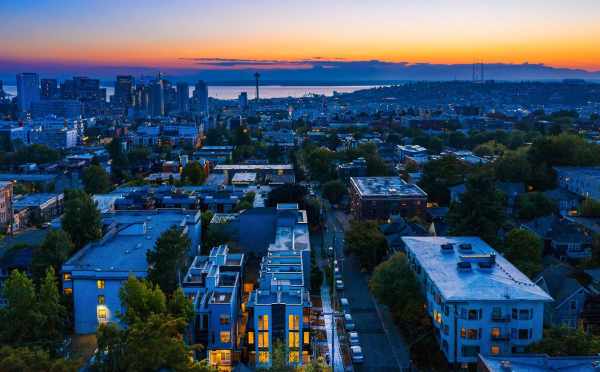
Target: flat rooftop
500,282
35,200
540,363
250,167
125,248
389,187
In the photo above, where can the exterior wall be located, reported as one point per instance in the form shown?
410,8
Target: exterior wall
383,208
449,320
6,209
568,312
86,292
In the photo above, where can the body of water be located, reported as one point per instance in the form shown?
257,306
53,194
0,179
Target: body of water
267,91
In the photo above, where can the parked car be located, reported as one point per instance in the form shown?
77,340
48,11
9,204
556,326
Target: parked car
357,354
337,273
339,285
349,322
345,305
353,338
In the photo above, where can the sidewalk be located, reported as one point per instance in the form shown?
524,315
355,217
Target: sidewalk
338,363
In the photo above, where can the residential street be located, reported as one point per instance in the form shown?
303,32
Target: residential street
383,347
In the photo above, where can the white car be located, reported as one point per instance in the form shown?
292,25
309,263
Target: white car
345,304
339,285
357,354
349,322
353,338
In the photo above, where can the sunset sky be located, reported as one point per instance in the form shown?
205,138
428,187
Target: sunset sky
161,33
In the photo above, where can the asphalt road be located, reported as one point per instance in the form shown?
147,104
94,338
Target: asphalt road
382,345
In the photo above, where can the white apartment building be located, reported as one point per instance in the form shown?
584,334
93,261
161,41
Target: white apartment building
479,302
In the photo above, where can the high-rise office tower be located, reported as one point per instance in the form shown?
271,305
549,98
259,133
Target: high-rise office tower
243,101
28,90
201,97
49,89
183,97
124,91
157,98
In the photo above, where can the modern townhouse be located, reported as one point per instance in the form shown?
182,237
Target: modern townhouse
214,283
479,302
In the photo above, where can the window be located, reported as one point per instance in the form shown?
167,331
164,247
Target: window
102,315
293,322
250,338
523,334
470,351
306,338
100,284
294,357
496,313
225,337
66,277
263,339
446,329
470,333
573,305
524,314
495,332
495,350
224,319
68,291
515,313
263,322
474,314
101,300
263,357
293,340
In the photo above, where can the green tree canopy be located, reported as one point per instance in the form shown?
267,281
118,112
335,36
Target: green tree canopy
167,259
334,191
439,175
367,242
56,248
535,204
524,250
20,359
480,211
563,341
96,180
81,219
193,173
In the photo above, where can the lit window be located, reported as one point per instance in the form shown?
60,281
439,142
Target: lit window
294,357
66,277
306,338
68,291
293,322
263,322
293,340
495,350
263,357
100,284
102,315
251,338
224,319
263,339
225,337
101,300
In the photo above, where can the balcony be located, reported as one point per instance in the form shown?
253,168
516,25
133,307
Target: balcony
500,318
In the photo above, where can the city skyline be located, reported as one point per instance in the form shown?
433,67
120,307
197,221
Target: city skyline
270,35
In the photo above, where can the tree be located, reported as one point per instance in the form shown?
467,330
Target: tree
563,341
81,219
334,191
489,148
439,175
193,173
288,193
535,204
394,284
589,208
167,258
119,161
480,211
153,338
320,164
96,180
53,312
21,359
367,242
20,320
56,248
524,250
